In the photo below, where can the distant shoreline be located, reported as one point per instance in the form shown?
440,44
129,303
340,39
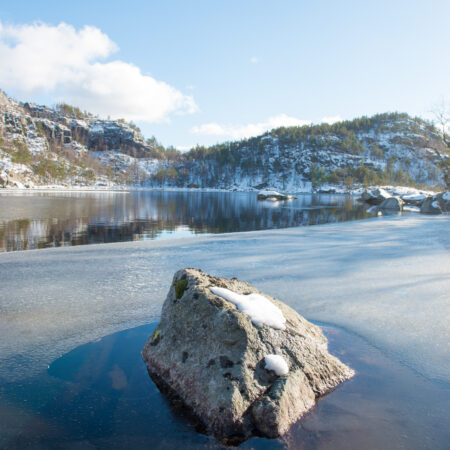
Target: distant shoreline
328,189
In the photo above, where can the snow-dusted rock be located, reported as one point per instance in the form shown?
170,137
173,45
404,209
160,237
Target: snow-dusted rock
413,199
375,196
274,195
238,370
430,206
443,199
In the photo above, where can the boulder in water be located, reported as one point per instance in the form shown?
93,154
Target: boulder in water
430,206
392,204
374,196
274,195
243,362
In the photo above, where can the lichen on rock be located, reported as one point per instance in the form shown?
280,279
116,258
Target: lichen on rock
211,355
180,287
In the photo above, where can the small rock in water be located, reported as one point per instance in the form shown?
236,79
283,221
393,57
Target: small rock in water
274,196
243,362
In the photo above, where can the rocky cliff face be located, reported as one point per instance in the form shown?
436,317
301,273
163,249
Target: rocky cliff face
95,134
41,145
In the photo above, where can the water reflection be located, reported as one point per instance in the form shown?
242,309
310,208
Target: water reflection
99,395
39,220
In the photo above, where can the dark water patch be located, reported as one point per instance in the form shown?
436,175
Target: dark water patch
100,396
40,220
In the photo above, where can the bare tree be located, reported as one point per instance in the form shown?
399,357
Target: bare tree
441,113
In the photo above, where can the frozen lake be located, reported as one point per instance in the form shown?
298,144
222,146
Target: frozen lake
384,279
30,220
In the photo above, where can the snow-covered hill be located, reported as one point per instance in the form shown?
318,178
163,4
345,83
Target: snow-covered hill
384,149
62,145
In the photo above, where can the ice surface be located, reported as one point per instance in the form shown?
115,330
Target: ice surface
260,309
276,363
386,279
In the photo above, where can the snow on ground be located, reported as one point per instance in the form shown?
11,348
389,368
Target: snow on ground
259,308
276,363
384,278
269,193
414,197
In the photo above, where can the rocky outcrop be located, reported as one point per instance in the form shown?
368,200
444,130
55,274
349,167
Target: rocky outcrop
430,206
443,199
374,196
392,204
94,133
242,370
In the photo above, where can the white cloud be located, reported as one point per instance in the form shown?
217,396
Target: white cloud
254,60
70,65
249,130
332,119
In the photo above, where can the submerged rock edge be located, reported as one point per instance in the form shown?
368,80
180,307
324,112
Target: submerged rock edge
212,357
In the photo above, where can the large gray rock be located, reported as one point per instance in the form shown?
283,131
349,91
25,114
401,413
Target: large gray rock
443,199
430,206
212,356
392,204
374,196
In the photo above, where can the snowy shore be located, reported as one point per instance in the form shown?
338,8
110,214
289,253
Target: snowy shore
385,279
324,189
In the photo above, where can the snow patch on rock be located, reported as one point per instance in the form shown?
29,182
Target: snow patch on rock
259,308
276,363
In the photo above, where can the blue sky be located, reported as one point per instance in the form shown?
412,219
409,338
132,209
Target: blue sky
202,72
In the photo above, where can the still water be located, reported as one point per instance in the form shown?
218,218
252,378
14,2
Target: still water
39,220
99,395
